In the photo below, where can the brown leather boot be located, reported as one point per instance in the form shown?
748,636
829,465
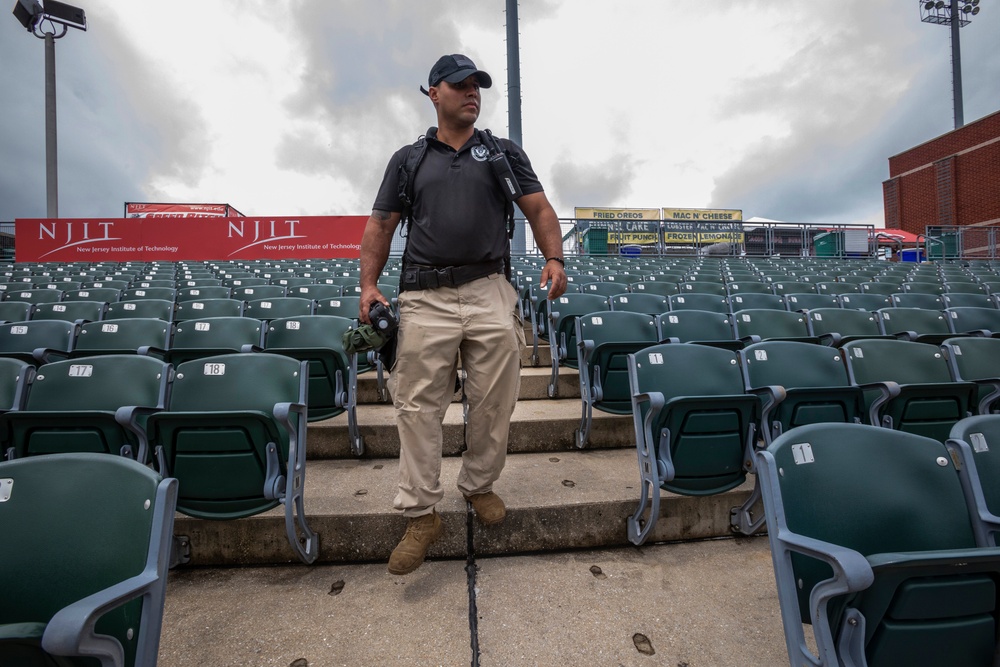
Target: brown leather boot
421,532
489,507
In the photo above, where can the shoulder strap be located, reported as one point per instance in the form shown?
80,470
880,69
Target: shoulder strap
496,147
407,176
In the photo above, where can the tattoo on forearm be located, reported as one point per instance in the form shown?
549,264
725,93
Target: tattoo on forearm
379,215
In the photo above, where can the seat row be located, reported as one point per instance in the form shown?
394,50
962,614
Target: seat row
111,294
317,340
231,427
831,326
699,411
169,311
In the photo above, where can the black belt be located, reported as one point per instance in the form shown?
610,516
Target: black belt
418,276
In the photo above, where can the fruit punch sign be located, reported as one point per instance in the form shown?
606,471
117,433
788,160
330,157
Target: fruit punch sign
169,239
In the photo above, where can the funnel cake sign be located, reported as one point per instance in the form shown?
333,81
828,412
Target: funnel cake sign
170,239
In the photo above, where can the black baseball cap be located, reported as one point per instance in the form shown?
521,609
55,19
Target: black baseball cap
455,68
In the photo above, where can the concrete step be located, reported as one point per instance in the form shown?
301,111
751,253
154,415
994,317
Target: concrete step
555,501
537,426
534,383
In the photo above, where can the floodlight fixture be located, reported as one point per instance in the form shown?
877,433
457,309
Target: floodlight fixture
27,13
63,14
957,14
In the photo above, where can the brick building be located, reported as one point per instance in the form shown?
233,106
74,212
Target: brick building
953,179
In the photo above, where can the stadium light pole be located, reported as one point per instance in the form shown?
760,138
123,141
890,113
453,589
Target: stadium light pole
956,14
519,243
32,15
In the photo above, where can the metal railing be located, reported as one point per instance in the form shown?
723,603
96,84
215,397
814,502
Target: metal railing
672,238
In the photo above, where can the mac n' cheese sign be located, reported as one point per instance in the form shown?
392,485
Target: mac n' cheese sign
168,239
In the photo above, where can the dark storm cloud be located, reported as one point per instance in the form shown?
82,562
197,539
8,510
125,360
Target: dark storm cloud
119,123
857,95
363,65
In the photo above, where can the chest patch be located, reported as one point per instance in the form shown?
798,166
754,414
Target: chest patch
480,153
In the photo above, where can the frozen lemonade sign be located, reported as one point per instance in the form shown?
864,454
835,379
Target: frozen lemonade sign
700,226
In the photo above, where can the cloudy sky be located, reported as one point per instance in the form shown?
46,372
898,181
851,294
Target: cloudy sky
786,110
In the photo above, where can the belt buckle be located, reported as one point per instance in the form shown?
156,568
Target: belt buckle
444,277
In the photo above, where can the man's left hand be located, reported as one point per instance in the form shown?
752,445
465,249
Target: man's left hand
554,271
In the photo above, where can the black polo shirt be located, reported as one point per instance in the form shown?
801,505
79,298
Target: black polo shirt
458,207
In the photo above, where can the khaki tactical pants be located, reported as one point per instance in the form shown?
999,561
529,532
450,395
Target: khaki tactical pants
479,319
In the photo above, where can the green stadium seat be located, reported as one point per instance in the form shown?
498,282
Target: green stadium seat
92,404
35,296
161,309
922,287
694,425
344,306
837,326
333,374
205,308
561,329
756,301
799,383
71,311
15,378
262,291
201,292
93,582
149,336
748,287
977,321
916,324
975,359
38,341
754,325
650,304
873,547
16,311
272,309
106,283
869,302
917,300
699,301
703,327
648,287
105,294
908,386
804,301
782,287
604,340
316,292
884,288
716,287
602,289
975,443
159,293
967,300
234,435
211,336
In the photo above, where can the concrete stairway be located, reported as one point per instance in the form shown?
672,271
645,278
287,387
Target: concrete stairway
558,497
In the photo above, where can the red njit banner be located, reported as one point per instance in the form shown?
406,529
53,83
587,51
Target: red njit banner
187,239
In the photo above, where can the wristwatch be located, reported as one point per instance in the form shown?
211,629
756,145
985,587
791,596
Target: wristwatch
556,259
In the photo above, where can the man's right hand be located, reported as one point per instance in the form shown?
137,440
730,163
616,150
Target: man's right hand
369,295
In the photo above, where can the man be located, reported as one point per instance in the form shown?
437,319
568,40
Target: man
454,298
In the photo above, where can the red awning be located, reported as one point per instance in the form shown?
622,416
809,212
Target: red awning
895,236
